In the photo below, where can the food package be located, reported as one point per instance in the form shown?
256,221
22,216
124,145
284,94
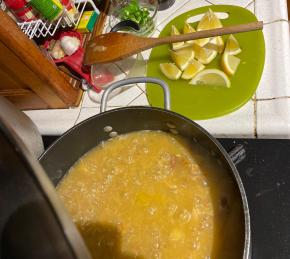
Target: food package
87,22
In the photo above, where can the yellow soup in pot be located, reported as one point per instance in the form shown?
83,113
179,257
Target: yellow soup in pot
152,195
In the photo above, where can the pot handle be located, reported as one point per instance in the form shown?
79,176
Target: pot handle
136,80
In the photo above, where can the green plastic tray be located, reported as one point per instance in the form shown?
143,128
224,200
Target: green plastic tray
205,102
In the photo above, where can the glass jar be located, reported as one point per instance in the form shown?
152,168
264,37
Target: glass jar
103,75
142,12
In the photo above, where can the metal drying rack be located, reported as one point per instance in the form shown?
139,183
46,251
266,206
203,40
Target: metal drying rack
41,28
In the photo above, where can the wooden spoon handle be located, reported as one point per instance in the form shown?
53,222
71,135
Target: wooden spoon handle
253,26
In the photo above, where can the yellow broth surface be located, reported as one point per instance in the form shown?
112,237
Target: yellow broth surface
152,195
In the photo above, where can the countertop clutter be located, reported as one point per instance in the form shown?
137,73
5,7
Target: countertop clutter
266,115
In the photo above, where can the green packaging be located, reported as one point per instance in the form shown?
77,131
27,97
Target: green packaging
87,22
49,9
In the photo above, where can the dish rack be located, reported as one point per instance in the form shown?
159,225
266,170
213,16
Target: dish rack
40,28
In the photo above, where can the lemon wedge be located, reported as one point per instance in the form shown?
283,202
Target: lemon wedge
202,42
177,45
216,43
187,51
182,57
188,29
232,46
230,63
211,77
208,21
220,43
170,70
204,55
192,69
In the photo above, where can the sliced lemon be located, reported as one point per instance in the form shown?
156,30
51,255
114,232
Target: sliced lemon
232,46
187,51
202,42
208,21
177,45
216,43
230,63
204,55
182,57
220,44
188,29
212,77
192,69
170,70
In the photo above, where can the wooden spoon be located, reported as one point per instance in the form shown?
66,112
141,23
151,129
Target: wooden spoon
115,46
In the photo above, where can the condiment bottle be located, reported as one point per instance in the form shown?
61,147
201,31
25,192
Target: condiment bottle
49,9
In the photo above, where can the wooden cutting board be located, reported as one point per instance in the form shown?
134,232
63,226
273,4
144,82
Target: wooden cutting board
205,102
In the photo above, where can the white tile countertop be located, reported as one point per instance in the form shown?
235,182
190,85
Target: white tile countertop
266,115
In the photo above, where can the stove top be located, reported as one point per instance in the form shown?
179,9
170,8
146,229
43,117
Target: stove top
265,173
266,176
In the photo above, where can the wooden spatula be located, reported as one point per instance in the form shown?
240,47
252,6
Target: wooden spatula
115,46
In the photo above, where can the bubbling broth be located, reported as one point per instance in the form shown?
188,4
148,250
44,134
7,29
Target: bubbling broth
153,195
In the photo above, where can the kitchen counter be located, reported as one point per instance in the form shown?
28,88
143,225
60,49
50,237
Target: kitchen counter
266,115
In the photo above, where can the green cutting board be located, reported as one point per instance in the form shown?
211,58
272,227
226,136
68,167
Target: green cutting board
205,102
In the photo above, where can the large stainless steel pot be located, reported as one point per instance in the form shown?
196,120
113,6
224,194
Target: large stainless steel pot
28,200
58,158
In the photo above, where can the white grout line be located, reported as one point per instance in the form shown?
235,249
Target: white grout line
120,68
141,87
135,98
255,116
278,20
80,106
272,98
250,4
108,106
209,2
